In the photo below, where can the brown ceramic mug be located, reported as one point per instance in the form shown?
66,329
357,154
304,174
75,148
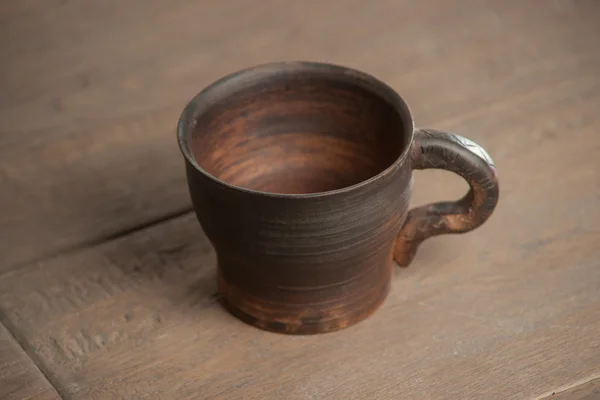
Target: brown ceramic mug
300,174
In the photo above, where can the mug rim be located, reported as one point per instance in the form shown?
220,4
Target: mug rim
232,82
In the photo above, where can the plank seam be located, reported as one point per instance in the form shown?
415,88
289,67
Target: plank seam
34,359
100,240
562,389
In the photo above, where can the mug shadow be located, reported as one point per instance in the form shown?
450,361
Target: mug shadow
170,266
184,270
142,223
433,255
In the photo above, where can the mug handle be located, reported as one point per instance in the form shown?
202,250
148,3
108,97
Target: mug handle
437,149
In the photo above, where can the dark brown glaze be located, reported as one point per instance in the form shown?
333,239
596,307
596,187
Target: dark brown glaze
442,150
300,176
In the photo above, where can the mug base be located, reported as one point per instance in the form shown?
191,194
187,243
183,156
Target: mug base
296,325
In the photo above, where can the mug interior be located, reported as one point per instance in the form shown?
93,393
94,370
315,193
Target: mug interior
296,132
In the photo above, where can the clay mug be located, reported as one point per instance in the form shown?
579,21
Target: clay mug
300,175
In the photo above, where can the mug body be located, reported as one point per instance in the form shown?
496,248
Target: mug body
299,176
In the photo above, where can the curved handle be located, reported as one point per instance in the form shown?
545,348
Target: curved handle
443,150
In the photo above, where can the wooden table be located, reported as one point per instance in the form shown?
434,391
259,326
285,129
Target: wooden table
107,281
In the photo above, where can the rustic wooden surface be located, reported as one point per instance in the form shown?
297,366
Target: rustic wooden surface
107,282
20,378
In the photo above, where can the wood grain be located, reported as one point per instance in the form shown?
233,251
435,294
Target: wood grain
113,297
137,316
87,125
507,313
19,377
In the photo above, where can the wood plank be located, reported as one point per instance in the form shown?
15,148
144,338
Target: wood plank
20,379
585,391
508,312
88,113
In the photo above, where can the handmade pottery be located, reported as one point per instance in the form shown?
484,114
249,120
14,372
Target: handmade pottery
300,175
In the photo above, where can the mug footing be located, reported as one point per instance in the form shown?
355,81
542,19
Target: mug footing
302,326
